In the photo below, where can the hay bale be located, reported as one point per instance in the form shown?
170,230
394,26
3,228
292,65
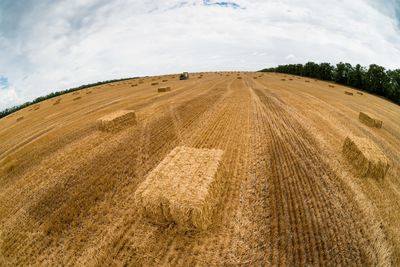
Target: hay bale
75,93
283,80
133,85
164,89
307,81
116,121
88,92
77,98
141,82
367,119
366,157
360,93
331,85
185,189
154,83
239,78
348,93
36,107
20,118
255,78
57,102
290,79
164,81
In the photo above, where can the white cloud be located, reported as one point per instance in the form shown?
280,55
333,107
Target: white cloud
68,43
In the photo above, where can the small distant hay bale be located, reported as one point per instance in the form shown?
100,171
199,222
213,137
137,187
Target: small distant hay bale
155,83
255,78
57,101
307,81
36,107
133,85
20,118
164,81
88,92
290,79
367,119
164,89
239,78
331,85
141,82
77,98
75,93
360,93
184,189
283,80
366,157
116,121
348,93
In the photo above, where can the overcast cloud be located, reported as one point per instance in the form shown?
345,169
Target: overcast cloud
47,45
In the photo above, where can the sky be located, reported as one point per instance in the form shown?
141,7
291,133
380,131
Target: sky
52,45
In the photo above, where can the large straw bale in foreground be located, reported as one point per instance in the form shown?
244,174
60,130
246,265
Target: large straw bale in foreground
367,119
116,121
366,157
183,189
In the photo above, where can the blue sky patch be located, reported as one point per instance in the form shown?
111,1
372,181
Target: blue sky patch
221,4
3,82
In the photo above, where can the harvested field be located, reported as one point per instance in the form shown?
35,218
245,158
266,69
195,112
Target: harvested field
116,121
368,120
184,189
291,191
366,157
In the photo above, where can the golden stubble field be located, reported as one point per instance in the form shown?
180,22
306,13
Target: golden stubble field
67,190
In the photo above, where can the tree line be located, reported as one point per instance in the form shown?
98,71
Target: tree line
375,79
13,109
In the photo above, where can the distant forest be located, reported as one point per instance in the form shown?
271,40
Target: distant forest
8,111
375,79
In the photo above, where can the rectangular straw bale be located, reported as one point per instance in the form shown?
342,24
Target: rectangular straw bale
156,83
367,119
184,189
239,78
164,89
116,121
366,157
20,118
57,102
77,98
348,93
359,93
331,86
